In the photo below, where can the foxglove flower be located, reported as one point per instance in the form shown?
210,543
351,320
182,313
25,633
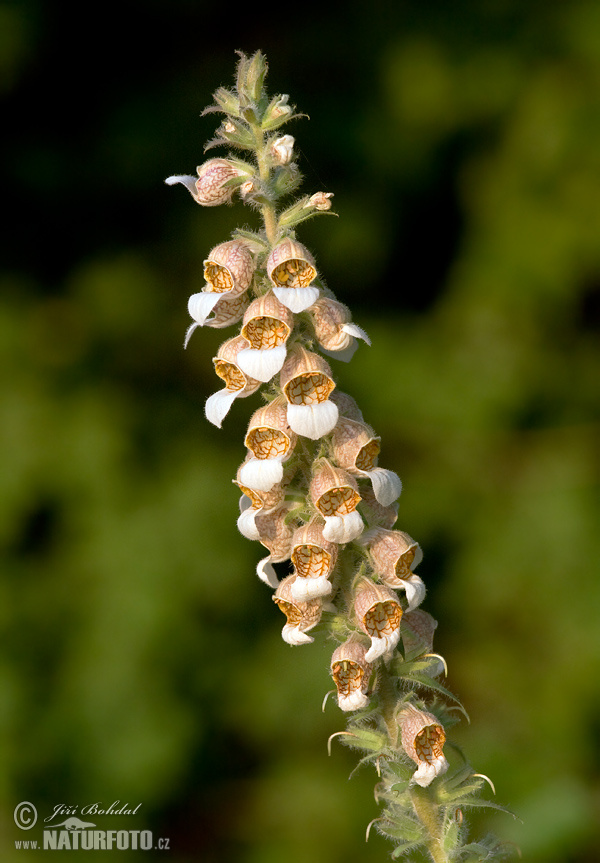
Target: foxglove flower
335,494
267,326
275,533
253,503
291,269
347,406
379,613
334,329
423,741
314,559
237,384
355,448
351,671
228,271
307,383
271,442
301,616
394,555
209,188
375,514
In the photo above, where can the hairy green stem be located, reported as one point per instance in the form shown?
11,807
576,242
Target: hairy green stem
264,171
388,698
428,814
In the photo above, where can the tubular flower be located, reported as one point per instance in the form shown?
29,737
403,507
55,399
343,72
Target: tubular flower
351,671
271,442
267,326
275,533
334,329
307,383
379,614
335,494
209,188
394,554
355,448
314,559
423,740
228,271
253,503
291,269
301,616
347,406
237,384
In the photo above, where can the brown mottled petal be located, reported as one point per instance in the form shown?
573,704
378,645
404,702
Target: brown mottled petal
347,406
229,268
306,378
290,265
376,514
312,555
418,628
227,311
328,317
275,534
355,446
394,552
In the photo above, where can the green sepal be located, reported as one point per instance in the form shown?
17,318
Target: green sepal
227,103
256,72
255,241
300,212
286,179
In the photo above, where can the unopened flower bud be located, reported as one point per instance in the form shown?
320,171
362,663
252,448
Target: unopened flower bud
277,113
282,150
209,189
423,739
319,201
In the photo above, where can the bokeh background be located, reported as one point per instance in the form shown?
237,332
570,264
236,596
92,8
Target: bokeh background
141,658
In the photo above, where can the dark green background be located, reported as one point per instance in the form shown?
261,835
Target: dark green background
141,657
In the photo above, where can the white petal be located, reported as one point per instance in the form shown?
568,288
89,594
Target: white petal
417,558
217,406
381,646
415,591
343,528
266,573
294,636
297,299
358,332
244,503
313,421
201,305
247,524
261,474
304,589
344,354
387,485
426,773
261,365
185,180
354,701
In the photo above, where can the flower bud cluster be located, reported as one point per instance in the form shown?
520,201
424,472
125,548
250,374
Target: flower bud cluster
312,491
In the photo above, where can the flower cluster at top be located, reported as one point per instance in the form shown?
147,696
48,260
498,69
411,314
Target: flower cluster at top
313,493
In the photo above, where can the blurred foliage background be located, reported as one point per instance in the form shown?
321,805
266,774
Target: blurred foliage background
141,657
